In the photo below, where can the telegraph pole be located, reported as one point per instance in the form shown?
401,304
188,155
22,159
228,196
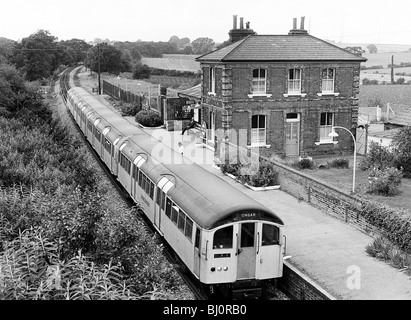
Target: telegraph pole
392,69
99,84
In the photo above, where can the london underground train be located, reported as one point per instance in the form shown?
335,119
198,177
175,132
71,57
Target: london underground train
226,239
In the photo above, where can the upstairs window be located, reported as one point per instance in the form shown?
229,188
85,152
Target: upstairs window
327,77
294,81
326,125
259,81
212,80
258,130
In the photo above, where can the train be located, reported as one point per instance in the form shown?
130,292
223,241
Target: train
228,241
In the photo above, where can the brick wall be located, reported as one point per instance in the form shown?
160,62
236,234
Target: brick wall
233,85
328,199
299,286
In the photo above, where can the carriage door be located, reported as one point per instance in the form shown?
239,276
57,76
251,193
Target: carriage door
163,186
246,250
292,134
197,252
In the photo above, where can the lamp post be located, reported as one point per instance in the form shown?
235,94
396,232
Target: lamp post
118,78
335,134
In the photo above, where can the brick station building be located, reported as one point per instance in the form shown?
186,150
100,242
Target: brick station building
283,92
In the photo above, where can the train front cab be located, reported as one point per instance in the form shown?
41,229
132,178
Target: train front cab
241,252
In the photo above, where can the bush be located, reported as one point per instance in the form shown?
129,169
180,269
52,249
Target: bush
385,181
148,118
305,163
263,176
378,157
402,149
340,163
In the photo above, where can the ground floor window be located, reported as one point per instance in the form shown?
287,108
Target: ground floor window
258,130
326,125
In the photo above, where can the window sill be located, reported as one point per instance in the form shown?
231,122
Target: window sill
325,142
294,94
259,146
256,95
335,94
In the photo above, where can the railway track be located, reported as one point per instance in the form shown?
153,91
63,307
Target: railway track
191,283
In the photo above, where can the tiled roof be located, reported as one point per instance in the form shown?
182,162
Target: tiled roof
388,134
193,92
403,118
280,48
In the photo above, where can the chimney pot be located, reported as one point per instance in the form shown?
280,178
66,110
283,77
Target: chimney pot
302,23
234,22
294,23
241,23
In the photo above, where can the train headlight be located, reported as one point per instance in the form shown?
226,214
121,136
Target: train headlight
219,268
225,268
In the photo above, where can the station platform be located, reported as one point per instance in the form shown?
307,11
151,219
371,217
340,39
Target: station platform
329,251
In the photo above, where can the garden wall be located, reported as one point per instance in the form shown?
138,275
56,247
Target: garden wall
328,199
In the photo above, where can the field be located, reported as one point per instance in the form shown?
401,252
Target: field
173,62
384,58
398,96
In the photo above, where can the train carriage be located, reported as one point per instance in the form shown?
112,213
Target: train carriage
224,237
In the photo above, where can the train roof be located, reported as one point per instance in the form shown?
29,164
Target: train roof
209,200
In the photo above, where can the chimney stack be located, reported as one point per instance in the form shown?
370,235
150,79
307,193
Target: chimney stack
238,34
295,31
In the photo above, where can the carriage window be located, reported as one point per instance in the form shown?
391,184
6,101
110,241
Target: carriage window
189,228
247,235
163,200
181,221
271,235
223,238
169,204
158,196
197,241
151,190
174,214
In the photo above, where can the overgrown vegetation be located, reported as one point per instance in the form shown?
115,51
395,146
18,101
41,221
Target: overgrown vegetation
383,249
394,224
387,165
58,238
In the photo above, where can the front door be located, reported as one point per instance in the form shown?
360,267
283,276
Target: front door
292,135
246,251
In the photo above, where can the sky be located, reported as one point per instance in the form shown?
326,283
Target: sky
348,21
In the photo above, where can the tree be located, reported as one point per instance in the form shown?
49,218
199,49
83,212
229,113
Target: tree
111,59
356,50
141,71
202,45
372,48
38,54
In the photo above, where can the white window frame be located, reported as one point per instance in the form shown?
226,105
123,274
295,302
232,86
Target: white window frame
326,129
259,135
259,83
294,84
212,81
327,83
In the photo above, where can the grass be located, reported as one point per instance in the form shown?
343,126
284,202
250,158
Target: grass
342,179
